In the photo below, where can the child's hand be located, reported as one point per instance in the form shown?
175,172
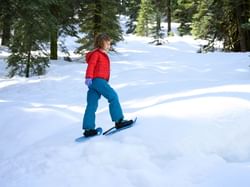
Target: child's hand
88,82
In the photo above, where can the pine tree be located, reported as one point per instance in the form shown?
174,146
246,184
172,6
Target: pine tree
204,18
7,14
63,14
223,21
169,14
185,9
145,18
131,10
98,16
30,36
156,30
242,39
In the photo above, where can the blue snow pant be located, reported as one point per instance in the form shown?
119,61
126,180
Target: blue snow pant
98,88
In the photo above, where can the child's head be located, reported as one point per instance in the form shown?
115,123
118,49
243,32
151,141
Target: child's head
102,41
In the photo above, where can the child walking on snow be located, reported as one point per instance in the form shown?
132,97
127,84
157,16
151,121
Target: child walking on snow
96,78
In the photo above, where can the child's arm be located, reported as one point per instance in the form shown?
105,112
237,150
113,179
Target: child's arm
92,61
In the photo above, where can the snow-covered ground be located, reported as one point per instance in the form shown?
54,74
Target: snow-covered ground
192,129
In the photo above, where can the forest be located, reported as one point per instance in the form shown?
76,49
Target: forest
31,28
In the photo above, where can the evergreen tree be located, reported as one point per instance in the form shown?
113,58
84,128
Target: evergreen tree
63,14
241,9
145,18
122,6
185,9
31,32
204,18
159,7
7,13
223,21
169,14
37,23
98,16
131,10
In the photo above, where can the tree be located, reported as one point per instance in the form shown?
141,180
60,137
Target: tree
223,21
145,18
159,7
185,9
7,14
31,31
98,16
169,16
131,10
242,15
63,14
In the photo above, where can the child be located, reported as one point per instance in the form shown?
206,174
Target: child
97,77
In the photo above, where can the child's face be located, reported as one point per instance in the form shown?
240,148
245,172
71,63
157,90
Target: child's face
106,45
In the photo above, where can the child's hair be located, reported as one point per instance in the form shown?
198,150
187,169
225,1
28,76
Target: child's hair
99,40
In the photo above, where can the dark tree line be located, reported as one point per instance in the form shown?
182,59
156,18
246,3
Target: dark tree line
213,20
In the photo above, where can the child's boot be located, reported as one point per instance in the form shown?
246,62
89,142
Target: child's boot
90,132
123,123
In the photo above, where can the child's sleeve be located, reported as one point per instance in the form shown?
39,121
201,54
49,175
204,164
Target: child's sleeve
92,61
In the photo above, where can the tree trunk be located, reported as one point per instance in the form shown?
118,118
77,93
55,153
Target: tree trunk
169,14
53,44
27,71
241,32
158,23
6,31
97,18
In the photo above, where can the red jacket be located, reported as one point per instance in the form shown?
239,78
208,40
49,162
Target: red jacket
98,65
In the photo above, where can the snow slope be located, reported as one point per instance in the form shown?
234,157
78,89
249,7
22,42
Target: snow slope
192,129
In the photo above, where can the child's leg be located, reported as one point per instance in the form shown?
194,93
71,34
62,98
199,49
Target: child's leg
92,104
109,93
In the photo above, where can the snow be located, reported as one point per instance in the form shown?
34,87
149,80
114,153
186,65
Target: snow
192,128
